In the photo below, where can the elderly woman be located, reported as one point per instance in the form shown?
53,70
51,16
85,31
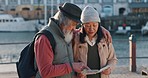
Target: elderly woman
92,48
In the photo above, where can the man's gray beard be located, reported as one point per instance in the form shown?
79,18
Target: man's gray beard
68,36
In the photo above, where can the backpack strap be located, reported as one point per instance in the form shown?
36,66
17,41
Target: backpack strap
49,36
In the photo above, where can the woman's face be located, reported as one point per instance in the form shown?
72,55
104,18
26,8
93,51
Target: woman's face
91,28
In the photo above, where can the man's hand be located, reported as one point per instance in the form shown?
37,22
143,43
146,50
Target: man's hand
107,35
78,66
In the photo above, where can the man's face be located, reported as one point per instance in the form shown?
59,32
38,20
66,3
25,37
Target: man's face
68,31
71,27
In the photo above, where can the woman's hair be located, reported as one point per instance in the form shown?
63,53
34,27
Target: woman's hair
62,19
99,35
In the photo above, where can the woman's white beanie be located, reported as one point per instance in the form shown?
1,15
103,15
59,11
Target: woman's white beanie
89,14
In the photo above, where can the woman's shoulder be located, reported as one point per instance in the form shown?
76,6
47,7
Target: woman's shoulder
104,41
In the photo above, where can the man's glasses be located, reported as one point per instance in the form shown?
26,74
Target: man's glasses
79,26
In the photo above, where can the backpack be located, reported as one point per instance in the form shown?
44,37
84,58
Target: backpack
26,66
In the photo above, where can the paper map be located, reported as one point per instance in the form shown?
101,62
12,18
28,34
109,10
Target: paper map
88,72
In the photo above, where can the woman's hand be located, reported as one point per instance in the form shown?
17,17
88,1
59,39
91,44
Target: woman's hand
107,71
107,35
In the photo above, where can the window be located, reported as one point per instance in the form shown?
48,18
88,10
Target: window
26,9
25,2
50,10
2,2
11,20
38,9
107,10
121,11
12,9
107,1
93,1
1,10
49,1
54,7
38,1
12,2
79,1
63,1
3,20
139,10
121,0
7,20
138,0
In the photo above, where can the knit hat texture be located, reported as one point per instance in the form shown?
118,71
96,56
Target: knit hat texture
89,14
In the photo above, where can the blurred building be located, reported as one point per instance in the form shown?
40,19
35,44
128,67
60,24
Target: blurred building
34,9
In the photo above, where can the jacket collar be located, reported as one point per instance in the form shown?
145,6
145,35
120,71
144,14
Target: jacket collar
92,42
53,24
100,44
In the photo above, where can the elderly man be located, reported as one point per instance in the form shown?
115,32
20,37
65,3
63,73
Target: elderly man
59,63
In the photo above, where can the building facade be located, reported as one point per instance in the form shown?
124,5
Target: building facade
34,9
